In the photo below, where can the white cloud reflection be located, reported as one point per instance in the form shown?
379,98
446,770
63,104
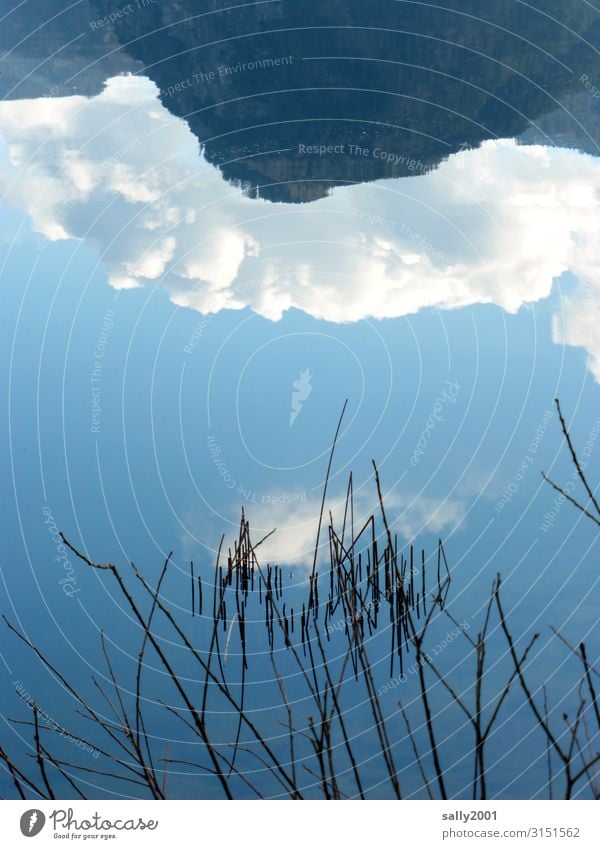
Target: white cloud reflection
493,225
296,523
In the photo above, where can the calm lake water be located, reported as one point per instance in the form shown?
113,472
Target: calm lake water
221,222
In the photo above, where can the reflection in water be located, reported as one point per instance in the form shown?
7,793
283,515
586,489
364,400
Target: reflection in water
493,225
259,81
349,160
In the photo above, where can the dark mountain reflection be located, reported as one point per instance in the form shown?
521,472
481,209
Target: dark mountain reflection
291,97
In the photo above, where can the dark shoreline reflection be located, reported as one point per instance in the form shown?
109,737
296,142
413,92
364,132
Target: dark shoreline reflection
144,423
260,84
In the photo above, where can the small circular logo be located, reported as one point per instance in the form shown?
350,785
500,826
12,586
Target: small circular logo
32,822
